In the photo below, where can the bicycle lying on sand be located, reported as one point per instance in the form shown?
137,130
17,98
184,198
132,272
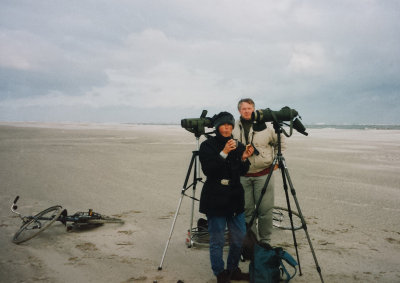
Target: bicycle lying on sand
33,225
280,220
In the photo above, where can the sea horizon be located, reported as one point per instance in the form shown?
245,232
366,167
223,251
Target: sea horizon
316,126
307,126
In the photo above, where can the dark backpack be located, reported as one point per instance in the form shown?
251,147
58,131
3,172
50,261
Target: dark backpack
267,265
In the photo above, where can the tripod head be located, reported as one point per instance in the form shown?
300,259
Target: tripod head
278,127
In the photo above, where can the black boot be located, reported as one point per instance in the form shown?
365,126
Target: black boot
223,277
238,275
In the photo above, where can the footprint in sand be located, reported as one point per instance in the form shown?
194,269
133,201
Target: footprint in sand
129,232
74,260
87,247
144,278
136,279
336,231
387,231
168,216
326,231
393,241
325,243
125,244
125,213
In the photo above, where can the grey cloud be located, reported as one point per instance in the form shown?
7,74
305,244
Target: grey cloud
324,58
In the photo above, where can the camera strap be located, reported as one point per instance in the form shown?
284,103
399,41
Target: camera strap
291,123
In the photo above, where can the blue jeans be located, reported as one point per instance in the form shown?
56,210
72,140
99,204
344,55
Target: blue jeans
237,230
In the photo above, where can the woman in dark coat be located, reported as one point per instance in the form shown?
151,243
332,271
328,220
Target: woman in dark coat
223,160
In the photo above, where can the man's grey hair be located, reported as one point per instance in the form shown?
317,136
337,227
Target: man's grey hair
247,100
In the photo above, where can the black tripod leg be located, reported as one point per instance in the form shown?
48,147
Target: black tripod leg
192,161
196,178
286,173
285,187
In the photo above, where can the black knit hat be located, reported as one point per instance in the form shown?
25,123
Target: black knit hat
223,118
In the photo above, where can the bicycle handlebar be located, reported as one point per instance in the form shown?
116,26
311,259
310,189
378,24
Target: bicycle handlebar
14,207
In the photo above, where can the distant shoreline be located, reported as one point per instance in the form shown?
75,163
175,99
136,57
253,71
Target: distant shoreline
111,124
356,127
311,126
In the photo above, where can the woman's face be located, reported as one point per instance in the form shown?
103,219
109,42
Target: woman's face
225,130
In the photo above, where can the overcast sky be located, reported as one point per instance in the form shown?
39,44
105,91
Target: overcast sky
162,61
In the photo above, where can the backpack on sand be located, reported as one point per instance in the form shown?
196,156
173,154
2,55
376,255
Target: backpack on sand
267,265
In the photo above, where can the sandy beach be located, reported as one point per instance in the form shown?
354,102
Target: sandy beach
347,183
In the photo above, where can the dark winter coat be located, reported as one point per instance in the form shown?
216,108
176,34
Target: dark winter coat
217,199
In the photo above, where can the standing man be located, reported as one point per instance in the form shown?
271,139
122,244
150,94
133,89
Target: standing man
265,141
222,197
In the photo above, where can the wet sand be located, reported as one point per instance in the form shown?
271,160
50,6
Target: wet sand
347,183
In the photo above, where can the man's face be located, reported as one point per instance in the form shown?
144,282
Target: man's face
225,130
245,110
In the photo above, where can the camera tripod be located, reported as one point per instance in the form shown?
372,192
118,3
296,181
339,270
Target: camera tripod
196,178
280,160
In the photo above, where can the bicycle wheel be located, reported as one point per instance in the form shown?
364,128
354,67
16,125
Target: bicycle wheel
281,220
37,224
